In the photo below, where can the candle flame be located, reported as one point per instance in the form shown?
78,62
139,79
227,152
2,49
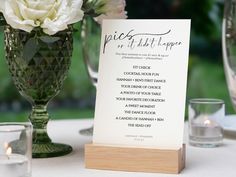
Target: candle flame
9,151
207,122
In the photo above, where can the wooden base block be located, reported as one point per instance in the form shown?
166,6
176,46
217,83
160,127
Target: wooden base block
134,159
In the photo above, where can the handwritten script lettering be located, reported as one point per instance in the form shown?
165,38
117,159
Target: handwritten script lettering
139,39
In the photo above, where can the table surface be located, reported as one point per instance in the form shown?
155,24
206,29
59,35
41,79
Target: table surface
200,162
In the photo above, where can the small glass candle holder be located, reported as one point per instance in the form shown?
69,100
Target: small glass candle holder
204,117
15,149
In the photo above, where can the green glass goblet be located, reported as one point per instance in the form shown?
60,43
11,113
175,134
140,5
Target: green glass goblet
38,64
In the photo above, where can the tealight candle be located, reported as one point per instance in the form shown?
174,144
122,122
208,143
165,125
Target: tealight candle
15,150
208,129
204,130
13,165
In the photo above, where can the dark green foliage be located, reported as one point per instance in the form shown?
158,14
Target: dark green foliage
205,15
206,18
2,20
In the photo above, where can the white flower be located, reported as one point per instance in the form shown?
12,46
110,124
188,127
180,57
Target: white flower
113,9
51,15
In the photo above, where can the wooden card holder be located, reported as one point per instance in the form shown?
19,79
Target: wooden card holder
134,159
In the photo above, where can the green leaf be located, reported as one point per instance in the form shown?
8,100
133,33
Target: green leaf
49,39
30,49
2,20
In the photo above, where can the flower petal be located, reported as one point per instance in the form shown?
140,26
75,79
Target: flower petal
30,14
114,9
76,14
50,27
42,4
51,13
15,21
68,13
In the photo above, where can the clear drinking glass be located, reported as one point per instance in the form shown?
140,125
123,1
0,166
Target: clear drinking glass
15,149
204,117
91,33
229,47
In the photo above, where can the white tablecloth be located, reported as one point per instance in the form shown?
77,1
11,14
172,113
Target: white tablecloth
200,162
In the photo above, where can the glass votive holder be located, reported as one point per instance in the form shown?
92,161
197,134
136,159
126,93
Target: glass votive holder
15,149
204,116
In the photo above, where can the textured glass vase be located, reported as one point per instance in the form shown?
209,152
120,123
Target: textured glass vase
39,64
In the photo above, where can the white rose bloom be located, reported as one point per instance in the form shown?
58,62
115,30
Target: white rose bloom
114,9
51,15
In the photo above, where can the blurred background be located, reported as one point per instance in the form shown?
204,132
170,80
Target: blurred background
77,98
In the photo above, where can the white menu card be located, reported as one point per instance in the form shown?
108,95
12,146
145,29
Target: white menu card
142,83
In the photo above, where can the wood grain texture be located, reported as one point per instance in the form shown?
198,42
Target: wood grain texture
134,159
